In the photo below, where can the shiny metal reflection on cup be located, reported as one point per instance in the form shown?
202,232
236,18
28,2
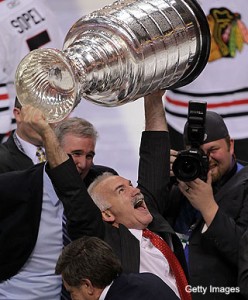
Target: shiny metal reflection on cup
116,55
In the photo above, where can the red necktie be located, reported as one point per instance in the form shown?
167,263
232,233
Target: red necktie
174,264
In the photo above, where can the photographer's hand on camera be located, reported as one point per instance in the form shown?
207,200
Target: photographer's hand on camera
200,195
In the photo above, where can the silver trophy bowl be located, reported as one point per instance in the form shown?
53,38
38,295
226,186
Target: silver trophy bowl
116,55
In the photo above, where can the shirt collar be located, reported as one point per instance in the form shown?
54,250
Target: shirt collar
26,147
137,233
105,291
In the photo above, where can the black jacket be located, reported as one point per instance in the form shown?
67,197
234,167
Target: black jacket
11,158
143,286
243,265
213,255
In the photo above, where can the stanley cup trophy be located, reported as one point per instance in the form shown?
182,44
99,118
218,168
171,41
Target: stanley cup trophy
117,54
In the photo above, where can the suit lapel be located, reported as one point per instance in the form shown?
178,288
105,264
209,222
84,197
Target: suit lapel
130,250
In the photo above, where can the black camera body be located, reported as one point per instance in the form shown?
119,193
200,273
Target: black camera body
193,162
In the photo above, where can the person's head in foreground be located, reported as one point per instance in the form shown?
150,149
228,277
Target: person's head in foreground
87,266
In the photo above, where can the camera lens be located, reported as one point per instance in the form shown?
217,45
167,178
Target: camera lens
187,167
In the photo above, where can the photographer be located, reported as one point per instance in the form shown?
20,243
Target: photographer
210,214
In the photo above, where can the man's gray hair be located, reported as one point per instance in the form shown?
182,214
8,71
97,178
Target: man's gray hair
76,126
98,198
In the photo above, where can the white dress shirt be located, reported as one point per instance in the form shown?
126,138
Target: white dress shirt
153,261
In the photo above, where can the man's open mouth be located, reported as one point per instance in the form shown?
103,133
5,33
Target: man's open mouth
138,202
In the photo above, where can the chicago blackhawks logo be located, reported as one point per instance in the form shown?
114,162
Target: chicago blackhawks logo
228,33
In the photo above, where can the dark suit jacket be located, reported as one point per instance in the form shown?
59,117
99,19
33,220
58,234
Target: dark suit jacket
243,265
20,209
213,255
11,158
84,218
143,286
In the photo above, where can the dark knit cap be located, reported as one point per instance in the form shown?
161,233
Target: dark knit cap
215,128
